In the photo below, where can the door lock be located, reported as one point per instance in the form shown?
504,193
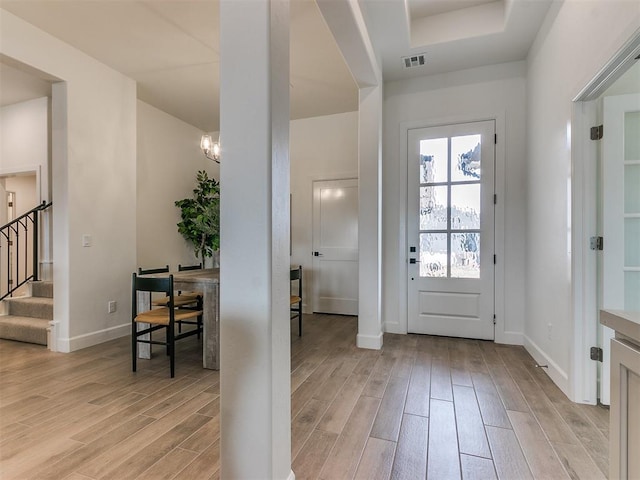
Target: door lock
317,254
413,260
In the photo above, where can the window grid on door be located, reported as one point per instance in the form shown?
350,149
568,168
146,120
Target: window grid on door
450,197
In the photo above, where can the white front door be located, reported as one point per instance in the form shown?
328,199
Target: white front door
620,177
335,246
450,230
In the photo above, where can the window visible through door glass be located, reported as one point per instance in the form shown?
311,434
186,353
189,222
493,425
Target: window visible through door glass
465,207
465,155
434,206
433,254
434,161
465,255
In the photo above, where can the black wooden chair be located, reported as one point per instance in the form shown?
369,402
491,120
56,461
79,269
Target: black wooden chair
186,301
158,318
295,275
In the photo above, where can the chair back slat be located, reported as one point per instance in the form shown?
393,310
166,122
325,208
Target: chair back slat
184,268
151,271
295,274
162,284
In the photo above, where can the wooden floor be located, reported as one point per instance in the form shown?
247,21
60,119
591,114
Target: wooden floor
423,407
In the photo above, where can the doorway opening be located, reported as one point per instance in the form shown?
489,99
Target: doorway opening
590,217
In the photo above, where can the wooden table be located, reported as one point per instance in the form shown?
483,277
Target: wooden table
206,281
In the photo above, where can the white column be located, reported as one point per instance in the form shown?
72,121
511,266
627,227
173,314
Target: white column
370,217
255,403
348,27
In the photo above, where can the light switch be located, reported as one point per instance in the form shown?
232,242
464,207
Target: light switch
86,240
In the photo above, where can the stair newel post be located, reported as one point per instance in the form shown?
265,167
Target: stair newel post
15,264
36,218
8,260
26,247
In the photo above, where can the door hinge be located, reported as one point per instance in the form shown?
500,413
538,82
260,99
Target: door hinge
596,354
596,243
597,132
494,319
495,198
495,138
494,259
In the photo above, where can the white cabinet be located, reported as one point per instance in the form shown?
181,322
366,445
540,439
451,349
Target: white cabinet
624,438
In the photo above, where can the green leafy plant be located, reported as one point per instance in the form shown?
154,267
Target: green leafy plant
200,216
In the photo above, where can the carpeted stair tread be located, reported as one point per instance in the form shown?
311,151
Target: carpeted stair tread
24,329
42,289
38,307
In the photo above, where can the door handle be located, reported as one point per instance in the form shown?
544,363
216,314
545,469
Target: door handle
413,260
317,254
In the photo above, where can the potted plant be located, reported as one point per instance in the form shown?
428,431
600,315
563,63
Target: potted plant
200,216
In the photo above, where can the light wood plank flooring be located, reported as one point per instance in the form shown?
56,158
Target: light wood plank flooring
423,407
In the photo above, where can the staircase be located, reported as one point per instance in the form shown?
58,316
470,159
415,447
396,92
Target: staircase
27,318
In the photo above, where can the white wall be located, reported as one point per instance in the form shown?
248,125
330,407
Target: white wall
169,157
24,187
24,140
93,183
476,94
577,40
321,148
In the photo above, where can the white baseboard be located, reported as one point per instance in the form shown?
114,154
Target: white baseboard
510,338
394,327
94,338
557,375
372,342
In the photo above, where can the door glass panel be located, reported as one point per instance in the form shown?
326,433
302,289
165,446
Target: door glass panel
465,207
433,160
465,255
632,188
433,254
433,208
631,137
632,243
465,158
454,207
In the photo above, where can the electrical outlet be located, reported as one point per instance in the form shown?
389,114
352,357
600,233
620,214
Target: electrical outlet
87,241
112,306
549,330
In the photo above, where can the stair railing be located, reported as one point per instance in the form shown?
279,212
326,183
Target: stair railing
19,247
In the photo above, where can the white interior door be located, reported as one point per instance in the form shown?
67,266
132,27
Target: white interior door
335,246
620,177
450,230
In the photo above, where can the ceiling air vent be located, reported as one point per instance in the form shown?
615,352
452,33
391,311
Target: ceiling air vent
413,61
